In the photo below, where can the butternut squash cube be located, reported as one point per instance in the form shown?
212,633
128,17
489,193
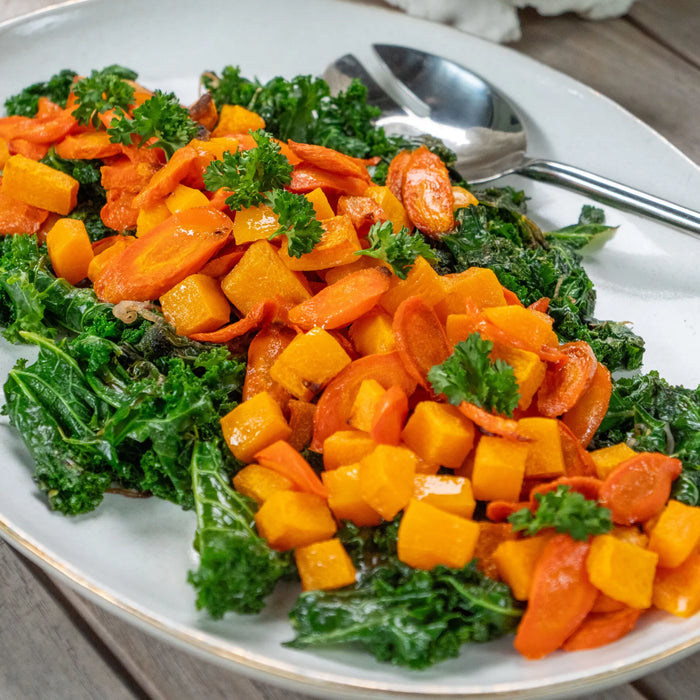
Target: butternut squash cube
324,566
320,204
254,424
528,369
337,246
372,333
429,536
261,275
386,479
545,458
102,259
196,305
234,119
183,197
259,483
150,218
516,560
478,285
450,493
70,250
365,404
499,469
289,519
391,205
346,447
677,590
439,434
531,326
675,534
422,280
254,224
607,458
622,570
345,496
308,363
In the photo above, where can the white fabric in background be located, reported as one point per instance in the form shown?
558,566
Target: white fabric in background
497,20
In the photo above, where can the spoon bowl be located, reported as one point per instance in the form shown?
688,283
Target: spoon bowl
421,93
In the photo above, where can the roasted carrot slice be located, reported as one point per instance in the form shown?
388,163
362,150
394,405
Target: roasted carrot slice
168,253
599,629
565,381
264,349
328,159
389,416
396,173
420,338
427,193
167,178
639,487
560,598
306,178
284,459
87,145
490,422
499,511
268,311
344,301
577,460
587,486
585,417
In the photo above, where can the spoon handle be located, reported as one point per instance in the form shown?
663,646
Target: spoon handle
613,193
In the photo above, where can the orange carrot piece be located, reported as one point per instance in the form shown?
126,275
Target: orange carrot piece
364,212
397,172
42,130
639,487
19,217
587,486
585,417
389,416
420,338
164,256
336,401
87,145
565,381
499,511
599,629
490,422
268,311
306,178
541,305
427,193
341,303
167,178
264,349
119,212
284,459
560,598
577,460
330,160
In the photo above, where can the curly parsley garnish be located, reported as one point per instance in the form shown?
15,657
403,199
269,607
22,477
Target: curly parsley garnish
297,219
567,512
102,91
160,117
469,374
400,249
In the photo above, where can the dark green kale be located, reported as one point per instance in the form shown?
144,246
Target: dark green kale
237,569
250,174
101,91
400,249
497,234
91,194
160,117
406,616
591,226
297,219
565,511
651,415
26,103
469,374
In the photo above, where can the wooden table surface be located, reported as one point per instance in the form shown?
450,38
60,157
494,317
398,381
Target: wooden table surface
55,644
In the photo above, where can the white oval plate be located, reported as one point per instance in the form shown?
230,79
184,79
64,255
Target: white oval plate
134,555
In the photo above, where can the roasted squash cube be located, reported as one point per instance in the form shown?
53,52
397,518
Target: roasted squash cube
499,469
607,458
530,326
478,285
234,119
320,204
675,533
259,483
345,496
70,250
516,560
196,305
677,590
450,493
528,369
324,566
256,223
183,197
545,458
422,280
346,447
372,333
365,404
391,205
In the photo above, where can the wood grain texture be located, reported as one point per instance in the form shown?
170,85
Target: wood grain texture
623,63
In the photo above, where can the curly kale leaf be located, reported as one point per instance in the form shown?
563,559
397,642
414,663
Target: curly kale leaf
101,91
237,569
400,249
160,120
250,174
565,511
469,374
56,89
649,414
497,234
406,616
297,219
591,226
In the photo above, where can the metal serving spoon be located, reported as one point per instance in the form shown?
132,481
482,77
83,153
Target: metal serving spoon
420,93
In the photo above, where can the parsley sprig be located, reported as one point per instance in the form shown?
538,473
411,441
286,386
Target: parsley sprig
160,117
101,91
469,374
567,512
258,176
400,249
